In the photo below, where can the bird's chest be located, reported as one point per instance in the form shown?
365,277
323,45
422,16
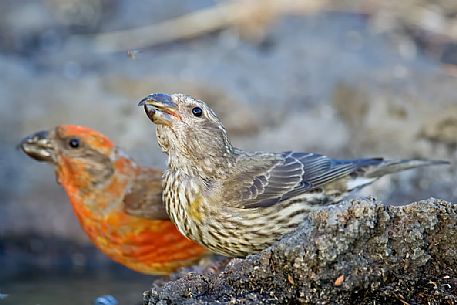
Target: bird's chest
184,202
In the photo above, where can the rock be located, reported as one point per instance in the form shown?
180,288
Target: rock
412,117
443,128
43,26
413,120
359,252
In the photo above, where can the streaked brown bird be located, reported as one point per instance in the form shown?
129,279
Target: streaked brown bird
117,202
236,202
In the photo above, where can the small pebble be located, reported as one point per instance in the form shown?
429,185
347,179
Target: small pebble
106,300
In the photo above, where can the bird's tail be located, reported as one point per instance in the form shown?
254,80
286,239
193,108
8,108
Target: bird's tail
388,167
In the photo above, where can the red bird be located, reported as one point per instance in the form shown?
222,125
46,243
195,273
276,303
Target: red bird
117,202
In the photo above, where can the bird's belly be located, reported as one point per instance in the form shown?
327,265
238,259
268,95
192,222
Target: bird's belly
147,246
239,232
228,231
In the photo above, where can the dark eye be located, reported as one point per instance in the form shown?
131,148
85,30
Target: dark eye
73,143
197,111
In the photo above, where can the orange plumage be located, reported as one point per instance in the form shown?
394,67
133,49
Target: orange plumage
117,202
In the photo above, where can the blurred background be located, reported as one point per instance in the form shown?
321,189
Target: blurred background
343,78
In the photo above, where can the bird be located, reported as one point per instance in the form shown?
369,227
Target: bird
236,202
117,202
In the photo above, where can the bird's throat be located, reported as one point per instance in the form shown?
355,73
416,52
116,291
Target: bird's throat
101,197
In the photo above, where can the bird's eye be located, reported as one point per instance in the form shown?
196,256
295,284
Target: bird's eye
197,111
73,143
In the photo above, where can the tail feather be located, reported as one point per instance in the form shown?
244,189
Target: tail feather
389,167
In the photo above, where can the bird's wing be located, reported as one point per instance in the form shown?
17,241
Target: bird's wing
263,182
145,196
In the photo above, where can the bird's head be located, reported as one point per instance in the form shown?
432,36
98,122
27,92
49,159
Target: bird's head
80,155
188,129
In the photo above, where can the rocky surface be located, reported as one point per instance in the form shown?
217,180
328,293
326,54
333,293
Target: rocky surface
360,252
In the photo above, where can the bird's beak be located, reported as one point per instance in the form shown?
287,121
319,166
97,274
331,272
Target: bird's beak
38,146
160,108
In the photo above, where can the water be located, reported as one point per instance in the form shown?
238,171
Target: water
73,289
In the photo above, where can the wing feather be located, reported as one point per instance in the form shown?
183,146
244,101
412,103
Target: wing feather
145,197
268,179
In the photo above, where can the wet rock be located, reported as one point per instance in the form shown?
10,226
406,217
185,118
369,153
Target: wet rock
359,252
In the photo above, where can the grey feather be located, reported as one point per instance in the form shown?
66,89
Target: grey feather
389,167
291,175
